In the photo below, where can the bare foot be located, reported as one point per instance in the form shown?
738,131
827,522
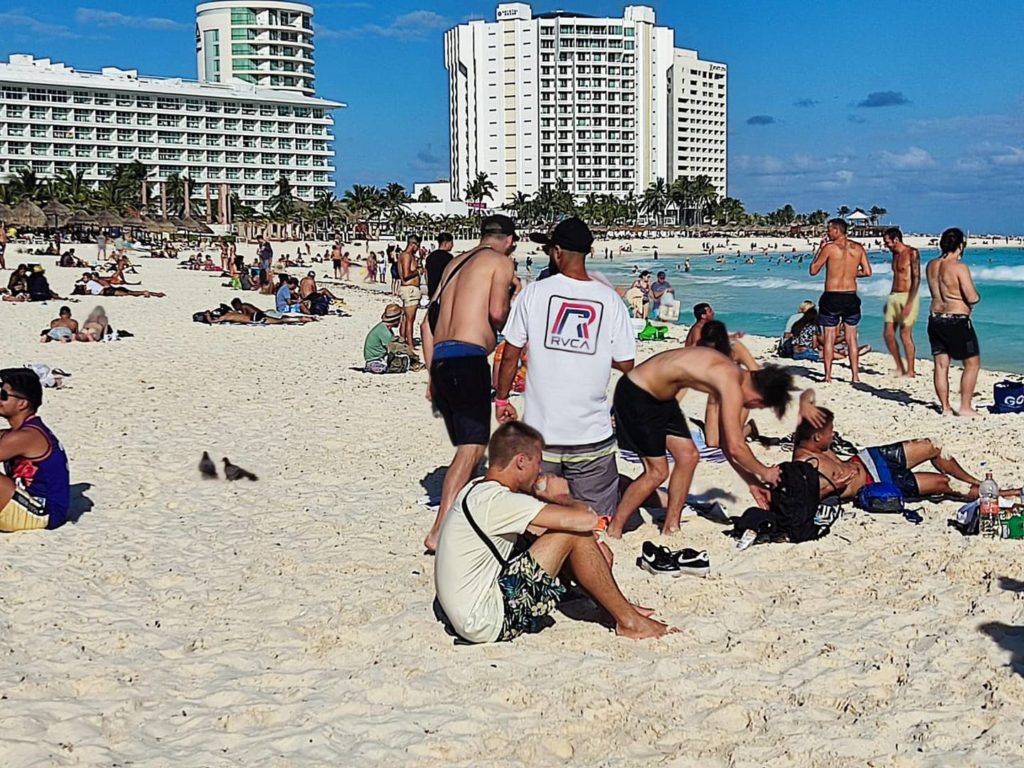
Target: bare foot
644,628
645,612
969,413
669,530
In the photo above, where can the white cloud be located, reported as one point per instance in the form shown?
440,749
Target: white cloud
17,18
409,26
97,18
914,159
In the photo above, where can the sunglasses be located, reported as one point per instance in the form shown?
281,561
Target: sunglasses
5,395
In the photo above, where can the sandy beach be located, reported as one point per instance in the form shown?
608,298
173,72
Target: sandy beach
289,622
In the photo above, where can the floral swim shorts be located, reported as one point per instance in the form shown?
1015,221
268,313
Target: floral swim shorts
529,594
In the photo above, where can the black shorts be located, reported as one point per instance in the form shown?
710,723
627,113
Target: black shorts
461,388
643,422
336,263
836,306
953,335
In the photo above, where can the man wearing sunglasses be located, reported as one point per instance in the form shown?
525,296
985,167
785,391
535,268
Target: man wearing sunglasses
35,490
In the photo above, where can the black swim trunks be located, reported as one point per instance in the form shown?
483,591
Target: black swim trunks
836,306
953,335
642,421
888,464
460,380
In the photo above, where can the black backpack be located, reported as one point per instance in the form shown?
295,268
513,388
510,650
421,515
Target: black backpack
795,502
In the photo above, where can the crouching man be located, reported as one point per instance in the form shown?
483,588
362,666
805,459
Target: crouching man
488,594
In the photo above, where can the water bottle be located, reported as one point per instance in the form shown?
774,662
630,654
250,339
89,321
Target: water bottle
988,510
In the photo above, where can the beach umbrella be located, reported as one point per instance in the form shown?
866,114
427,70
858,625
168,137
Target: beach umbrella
133,221
27,214
81,218
56,211
190,224
165,227
108,219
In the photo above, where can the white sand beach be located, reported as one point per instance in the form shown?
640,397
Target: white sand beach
289,622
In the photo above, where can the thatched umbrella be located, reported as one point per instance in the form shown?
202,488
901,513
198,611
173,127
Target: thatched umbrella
133,221
27,214
163,227
58,212
176,223
107,219
82,218
5,212
195,226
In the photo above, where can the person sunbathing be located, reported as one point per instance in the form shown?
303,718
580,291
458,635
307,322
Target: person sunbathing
95,327
885,463
63,329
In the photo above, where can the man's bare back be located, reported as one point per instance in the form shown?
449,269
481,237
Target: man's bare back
476,301
952,288
700,368
844,261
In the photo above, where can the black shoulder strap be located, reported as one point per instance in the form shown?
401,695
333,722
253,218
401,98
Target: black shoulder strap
437,297
483,537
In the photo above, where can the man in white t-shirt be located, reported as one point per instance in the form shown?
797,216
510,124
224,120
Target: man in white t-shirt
578,330
487,594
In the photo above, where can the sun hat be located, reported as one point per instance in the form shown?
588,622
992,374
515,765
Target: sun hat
392,312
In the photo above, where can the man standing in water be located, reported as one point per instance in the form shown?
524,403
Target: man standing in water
950,330
844,261
904,303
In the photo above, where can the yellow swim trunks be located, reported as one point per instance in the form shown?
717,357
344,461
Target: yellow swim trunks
22,513
410,295
894,309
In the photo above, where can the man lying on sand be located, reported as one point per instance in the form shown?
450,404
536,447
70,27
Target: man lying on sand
489,597
889,463
649,420
63,329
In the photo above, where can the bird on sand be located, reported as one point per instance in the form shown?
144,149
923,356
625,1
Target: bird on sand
234,472
206,466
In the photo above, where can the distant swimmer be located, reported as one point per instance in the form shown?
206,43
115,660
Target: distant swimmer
844,261
904,302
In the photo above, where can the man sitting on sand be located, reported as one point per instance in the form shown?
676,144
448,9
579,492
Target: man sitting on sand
381,348
489,594
649,420
287,300
885,463
35,491
702,313
63,329
315,300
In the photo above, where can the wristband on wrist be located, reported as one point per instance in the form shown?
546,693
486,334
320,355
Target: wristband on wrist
500,403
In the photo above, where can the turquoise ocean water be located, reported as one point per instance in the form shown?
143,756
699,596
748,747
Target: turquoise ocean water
757,298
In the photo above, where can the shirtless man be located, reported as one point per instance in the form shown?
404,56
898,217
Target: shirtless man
3,248
649,420
904,303
950,330
886,463
308,289
844,261
336,253
409,292
63,329
702,313
474,299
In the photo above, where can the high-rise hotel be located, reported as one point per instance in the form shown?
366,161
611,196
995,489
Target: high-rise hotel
250,119
605,105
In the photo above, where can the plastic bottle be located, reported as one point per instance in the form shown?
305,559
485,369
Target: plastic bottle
988,510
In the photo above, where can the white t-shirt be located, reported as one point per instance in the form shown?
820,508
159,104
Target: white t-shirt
576,329
93,288
465,571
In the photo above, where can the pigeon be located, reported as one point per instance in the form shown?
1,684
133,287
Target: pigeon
233,472
207,468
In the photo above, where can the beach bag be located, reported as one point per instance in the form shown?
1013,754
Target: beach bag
880,498
1008,396
652,333
319,304
966,520
795,503
786,348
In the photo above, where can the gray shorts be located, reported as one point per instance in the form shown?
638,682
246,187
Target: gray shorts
591,471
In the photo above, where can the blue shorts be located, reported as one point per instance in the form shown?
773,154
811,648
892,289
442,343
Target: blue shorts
293,309
888,464
838,306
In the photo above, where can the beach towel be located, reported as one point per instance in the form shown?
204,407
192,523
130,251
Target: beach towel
707,453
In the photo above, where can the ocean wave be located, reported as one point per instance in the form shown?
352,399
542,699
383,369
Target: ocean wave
999,274
865,288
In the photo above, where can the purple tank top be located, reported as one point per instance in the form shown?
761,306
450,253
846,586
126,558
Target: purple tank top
45,478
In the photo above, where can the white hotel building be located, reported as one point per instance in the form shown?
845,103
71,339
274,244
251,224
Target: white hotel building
54,118
605,105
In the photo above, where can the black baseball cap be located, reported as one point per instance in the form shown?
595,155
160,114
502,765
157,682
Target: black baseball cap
24,382
498,224
570,234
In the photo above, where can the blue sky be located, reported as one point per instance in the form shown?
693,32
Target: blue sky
914,106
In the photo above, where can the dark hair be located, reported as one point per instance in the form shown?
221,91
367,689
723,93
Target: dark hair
893,233
700,309
810,317
805,429
952,239
24,382
775,385
64,309
413,236
715,336
445,237
511,439
839,224
645,273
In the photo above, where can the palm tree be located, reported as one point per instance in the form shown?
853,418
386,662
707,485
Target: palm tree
704,193
655,200
681,194
427,196
479,188
72,188
395,198
519,204
324,210
843,211
282,204
25,185
364,203
876,213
